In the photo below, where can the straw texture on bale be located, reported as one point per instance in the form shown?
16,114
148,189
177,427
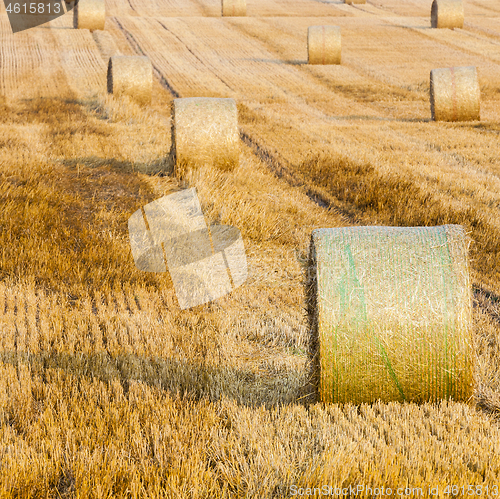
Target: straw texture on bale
390,309
89,14
234,8
455,94
131,76
447,14
105,43
204,132
324,45
354,1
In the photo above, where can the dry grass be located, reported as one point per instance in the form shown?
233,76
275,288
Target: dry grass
108,389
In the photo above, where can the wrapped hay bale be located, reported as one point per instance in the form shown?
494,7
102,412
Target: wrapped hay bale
447,14
455,94
324,45
205,132
233,8
391,307
105,43
89,14
131,76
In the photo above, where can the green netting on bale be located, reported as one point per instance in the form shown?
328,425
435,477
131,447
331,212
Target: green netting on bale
391,307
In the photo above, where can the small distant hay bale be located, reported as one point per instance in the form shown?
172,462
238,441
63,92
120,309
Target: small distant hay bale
447,14
349,2
89,14
131,76
234,8
455,94
390,309
205,132
324,45
105,43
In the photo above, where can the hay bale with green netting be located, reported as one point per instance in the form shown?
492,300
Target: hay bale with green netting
131,76
89,14
447,14
390,308
234,8
324,45
205,132
455,94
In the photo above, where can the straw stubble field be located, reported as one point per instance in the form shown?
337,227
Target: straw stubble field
108,389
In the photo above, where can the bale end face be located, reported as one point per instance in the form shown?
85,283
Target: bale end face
89,14
234,8
390,308
131,76
447,14
324,45
455,94
204,132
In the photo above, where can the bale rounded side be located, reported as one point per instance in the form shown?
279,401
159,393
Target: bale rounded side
131,76
234,8
89,14
205,132
455,94
391,312
447,14
324,45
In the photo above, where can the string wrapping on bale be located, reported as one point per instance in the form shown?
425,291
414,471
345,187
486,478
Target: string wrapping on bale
455,94
391,310
131,76
234,8
324,45
105,43
204,132
89,14
447,14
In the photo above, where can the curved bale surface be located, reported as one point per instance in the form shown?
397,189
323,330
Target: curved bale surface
89,14
234,8
455,94
324,45
447,14
391,309
205,132
131,76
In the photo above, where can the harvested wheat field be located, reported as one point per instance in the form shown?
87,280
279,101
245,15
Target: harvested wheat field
107,387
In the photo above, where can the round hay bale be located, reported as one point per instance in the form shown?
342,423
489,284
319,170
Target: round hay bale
455,94
350,2
132,76
391,310
234,8
89,14
447,14
324,45
205,132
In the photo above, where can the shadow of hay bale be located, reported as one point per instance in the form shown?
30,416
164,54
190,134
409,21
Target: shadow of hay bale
161,166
